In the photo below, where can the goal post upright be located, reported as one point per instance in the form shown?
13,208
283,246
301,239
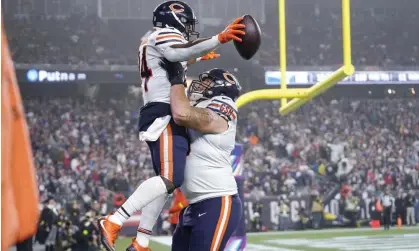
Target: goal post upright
282,47
300,96
346,70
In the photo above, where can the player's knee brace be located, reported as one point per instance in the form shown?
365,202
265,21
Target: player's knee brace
169,185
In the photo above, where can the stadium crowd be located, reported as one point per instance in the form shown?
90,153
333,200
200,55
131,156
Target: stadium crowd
313,35
375,142
76,39
87,148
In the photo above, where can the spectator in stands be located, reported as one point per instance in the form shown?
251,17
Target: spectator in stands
81,39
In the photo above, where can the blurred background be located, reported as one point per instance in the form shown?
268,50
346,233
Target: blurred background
76,64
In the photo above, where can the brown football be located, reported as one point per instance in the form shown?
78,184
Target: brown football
251,40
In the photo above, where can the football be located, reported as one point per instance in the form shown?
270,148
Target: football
251,40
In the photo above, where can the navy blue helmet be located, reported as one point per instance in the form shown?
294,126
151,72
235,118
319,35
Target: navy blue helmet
176,14
221,83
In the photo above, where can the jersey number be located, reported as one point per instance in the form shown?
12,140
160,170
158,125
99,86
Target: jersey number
145,72
227,110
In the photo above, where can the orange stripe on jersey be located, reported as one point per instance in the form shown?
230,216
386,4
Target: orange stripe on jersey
217,228
169,36
162,152
222,223
166,153
215,105
228,211
170,152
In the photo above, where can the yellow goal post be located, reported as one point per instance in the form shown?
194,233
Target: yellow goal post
300,96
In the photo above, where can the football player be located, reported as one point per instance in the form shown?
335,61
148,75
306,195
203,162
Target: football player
215,208
174,25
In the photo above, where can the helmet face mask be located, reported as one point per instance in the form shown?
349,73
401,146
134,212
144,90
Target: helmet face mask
190,32
197,90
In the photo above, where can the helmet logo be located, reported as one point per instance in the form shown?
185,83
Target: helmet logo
229,77
177,8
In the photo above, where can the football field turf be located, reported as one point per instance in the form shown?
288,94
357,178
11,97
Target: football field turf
322,240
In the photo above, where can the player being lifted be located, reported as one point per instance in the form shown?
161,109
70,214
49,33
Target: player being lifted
174,24
215,207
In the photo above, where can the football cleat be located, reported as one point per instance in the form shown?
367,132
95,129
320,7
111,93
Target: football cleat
108,232
136,247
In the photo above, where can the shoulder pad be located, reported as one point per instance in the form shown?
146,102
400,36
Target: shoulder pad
168,34
223,106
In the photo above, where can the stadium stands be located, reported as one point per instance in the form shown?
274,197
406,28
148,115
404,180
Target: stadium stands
78,143
313,36
379,137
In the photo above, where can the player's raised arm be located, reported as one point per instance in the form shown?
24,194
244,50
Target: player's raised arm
201,119
193,49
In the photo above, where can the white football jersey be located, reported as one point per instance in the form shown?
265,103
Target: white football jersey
208,171
155,85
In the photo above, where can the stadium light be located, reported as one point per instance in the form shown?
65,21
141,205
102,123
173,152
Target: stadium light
301,96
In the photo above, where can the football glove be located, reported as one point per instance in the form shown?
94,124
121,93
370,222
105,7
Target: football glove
175,72
230,32
209,56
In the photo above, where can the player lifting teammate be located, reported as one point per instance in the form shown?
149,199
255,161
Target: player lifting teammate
215,207
174,25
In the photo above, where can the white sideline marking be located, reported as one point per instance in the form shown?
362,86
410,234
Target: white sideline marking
346,243
258,247
351,243
167,241
334,230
